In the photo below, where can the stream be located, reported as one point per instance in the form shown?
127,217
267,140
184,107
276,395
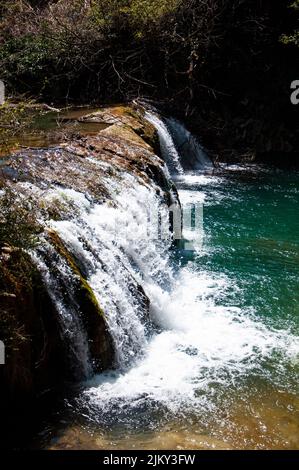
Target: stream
216,364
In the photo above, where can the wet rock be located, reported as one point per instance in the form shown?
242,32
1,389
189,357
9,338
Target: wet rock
29,330
37,355
100,341
128,117
127,133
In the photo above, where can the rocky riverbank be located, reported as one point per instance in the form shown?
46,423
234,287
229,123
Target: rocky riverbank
40,273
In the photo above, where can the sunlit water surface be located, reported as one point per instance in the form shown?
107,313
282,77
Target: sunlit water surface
221,371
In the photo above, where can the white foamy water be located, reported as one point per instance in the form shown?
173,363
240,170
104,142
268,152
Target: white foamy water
168,148
188,196
192,339
192,154
116,245
191,178
200,341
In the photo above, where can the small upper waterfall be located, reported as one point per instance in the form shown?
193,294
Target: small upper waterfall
192,153
168,148
180,149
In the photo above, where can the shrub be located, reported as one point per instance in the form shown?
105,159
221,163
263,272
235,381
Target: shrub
18,226
294,37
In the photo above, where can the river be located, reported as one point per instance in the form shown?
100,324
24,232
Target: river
216,366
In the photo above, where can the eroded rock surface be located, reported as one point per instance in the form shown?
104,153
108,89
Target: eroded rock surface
37,359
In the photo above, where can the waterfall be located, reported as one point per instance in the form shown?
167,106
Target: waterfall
180,149
197,341
59,280
176,332
118,246
167,145
192,153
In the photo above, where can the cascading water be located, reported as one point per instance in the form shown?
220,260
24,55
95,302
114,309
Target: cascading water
59,280
114,244
192,155
168,148
180,149
182,334
200,342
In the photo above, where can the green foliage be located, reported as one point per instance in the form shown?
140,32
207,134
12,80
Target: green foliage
18,226
186,52
61,45
140,16
14,118
26,54
294,37
15,277
295,5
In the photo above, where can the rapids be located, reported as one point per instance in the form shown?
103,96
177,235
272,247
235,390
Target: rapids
202,327
208,345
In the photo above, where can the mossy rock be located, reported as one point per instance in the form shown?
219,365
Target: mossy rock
100,340
29,329
134,118
127,133
130,118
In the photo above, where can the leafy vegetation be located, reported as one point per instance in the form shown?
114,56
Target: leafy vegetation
18,226
13,120
18,233
293,38
122,48
226,65
15,277
115,47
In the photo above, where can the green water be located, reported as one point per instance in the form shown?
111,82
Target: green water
50,129
252,235
251,243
